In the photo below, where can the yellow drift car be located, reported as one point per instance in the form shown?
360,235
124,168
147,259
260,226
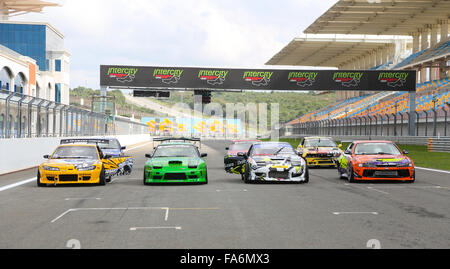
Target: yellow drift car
73,164
319,151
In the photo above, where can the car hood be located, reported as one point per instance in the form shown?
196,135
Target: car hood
321,149
382,159
276,159
176,161
69,162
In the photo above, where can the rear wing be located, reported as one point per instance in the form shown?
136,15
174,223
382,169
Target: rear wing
84,140
174,139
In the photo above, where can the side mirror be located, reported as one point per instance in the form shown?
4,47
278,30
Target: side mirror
148,156
123,148
46,156
203,155
405,152
227,148
242,154
107,156
348,152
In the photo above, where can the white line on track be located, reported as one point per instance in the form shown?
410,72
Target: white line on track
17,184
345,213
138,146
150,228
433,170
232,190
71,199
166,216
372,188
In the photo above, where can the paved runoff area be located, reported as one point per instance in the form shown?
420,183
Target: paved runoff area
328,212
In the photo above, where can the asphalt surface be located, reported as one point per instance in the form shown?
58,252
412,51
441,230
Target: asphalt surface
226,213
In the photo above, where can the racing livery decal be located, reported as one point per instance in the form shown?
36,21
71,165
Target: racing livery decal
168,76
393,79
122,74
303,79
348,79
258,78
213,77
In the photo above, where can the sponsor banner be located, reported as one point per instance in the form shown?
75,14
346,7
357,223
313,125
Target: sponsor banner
255,79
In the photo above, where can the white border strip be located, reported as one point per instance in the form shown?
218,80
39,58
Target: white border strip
433,170
128,149
17,184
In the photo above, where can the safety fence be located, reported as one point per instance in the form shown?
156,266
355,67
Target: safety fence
439,144
434,123
23,116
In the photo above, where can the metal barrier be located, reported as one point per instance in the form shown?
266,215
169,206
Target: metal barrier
439,144
23,116
431,123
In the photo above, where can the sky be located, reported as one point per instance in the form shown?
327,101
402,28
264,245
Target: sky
192,33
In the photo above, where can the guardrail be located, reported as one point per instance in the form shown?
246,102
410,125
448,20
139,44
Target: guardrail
439,144
402,140
23,116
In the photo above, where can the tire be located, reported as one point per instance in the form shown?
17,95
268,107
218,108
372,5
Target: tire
350,176
145,183
306,175
247,174
38,181
206,177
102,177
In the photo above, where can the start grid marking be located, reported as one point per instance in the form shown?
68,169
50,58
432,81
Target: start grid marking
166,216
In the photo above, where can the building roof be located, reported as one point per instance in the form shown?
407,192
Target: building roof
380,17
19,7
326,52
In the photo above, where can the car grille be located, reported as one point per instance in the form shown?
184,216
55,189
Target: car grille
68,178
276,174
400,174
175,163
174,176
319,155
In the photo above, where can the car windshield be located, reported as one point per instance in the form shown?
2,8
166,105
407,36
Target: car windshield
175,151
376,149
320,143
241,146
113,144
75,152
272,149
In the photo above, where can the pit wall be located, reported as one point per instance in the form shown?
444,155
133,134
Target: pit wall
25,153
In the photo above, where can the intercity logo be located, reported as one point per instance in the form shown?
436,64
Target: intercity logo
303,79
168,76
348,79
258,78
122,74
213,77
393,79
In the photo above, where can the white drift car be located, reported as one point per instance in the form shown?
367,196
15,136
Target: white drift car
274,161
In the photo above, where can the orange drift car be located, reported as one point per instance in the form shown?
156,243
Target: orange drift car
375,160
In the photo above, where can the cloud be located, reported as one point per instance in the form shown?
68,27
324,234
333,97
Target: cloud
176,33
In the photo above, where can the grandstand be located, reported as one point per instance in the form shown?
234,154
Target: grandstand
428,54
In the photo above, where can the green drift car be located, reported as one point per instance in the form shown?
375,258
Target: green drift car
175,162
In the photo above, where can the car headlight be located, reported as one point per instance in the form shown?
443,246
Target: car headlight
408,164
193,165
48,168
86,167
366,165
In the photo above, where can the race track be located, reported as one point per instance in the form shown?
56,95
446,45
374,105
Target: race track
226,213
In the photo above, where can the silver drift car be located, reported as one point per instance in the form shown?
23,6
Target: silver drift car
275,162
